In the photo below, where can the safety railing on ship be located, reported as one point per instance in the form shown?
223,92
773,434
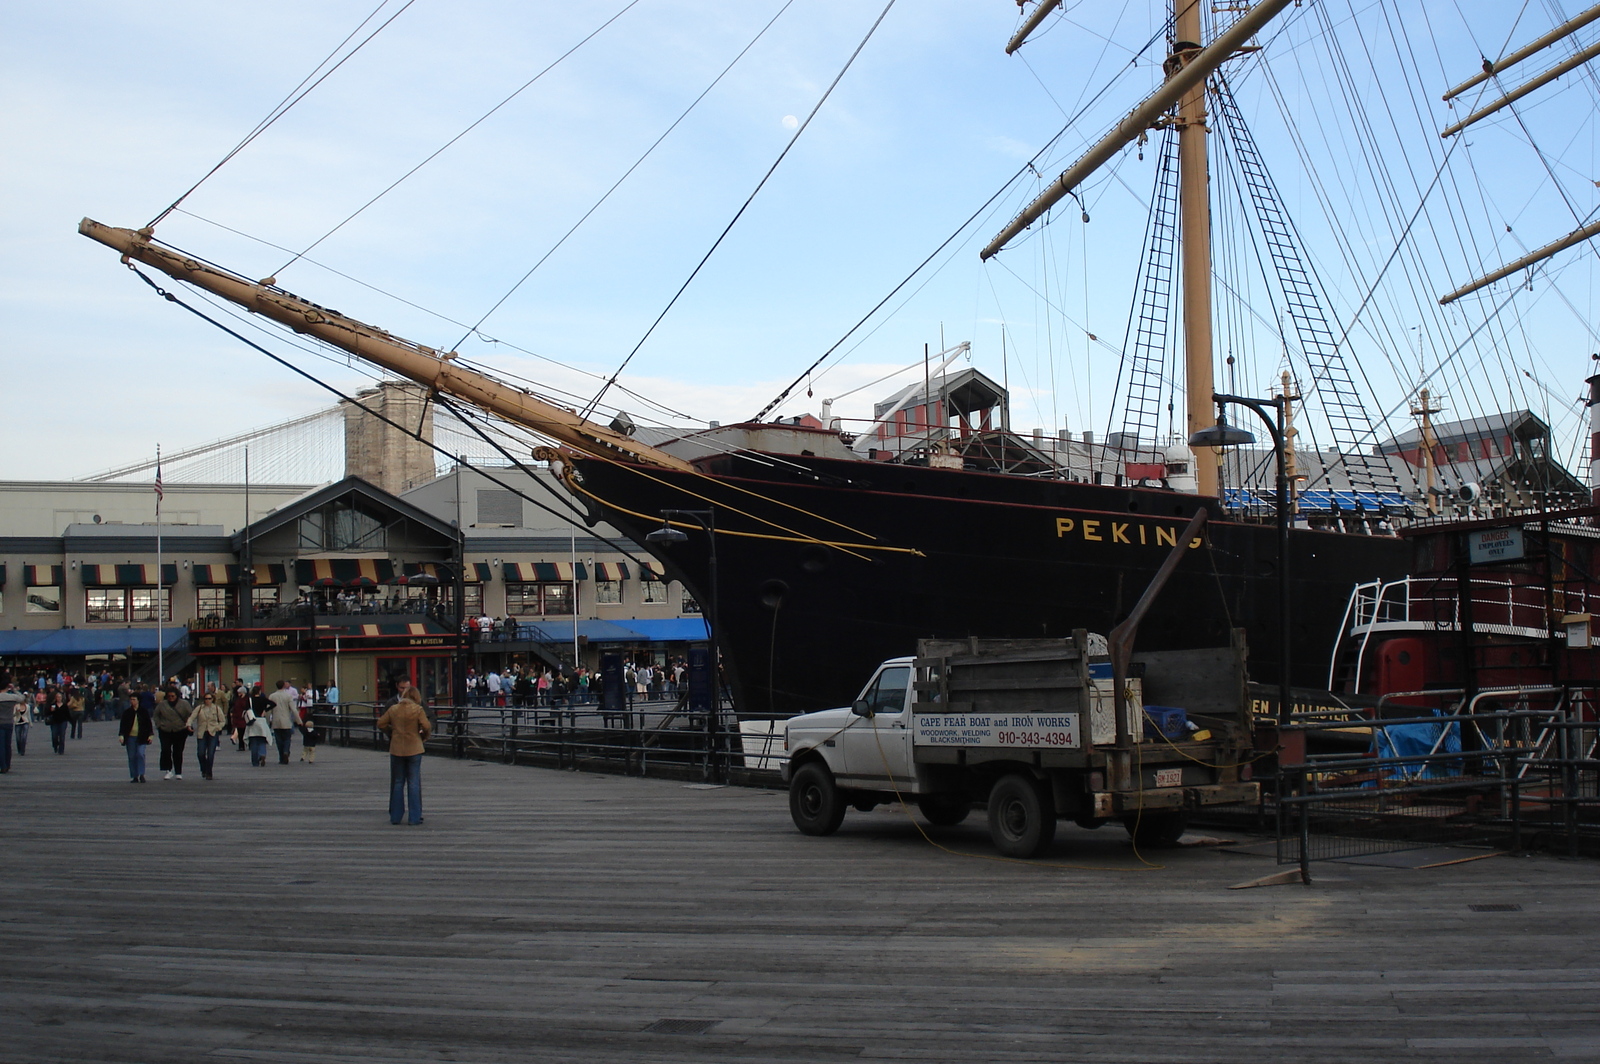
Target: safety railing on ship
1505,767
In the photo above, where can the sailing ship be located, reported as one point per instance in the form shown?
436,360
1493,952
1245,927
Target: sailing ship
816,560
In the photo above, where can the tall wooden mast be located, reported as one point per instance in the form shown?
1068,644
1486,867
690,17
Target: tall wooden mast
1194,222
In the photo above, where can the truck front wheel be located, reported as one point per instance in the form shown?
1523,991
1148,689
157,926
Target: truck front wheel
1022,818
815,804
943,810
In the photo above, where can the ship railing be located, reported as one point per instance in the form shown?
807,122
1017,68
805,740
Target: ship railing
1499,767
662,738
1434,603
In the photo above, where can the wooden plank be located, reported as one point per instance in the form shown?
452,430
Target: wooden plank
275,915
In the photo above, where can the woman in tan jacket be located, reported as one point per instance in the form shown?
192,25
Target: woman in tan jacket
407,725
208,721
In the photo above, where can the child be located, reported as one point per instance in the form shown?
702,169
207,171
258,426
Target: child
311,733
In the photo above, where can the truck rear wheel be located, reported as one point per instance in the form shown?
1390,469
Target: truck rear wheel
1157,828
815,804
943,810
1022,818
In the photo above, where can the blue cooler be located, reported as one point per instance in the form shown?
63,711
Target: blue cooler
1168,721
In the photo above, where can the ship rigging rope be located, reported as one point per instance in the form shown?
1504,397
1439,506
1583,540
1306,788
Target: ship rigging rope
298,93
447,144
473,328
981,211
744,207
793,537
353,401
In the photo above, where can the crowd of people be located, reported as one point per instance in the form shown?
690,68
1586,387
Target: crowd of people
169,713
536,686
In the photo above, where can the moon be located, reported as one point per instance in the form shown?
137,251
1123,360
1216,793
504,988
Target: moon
790,122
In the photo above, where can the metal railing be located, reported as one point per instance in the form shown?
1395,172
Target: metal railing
1509,767
644,739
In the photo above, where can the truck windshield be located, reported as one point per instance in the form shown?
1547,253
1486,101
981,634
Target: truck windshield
888,695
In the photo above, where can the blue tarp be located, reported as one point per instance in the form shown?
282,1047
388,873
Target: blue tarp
105,641
669,629
1413,740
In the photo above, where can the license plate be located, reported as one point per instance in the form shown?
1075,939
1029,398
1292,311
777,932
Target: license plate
1169,777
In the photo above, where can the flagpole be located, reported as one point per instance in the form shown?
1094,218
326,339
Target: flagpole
161,657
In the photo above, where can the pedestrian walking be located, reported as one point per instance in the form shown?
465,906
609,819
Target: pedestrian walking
136,732
236,712
172,727
10,700
284,718
59,717
310,738
21,716
257,730
407,725
208,721
75,709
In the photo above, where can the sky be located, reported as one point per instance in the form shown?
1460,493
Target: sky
114,109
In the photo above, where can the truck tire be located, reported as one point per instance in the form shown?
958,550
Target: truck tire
1157,828
815,804
943,810
1022,818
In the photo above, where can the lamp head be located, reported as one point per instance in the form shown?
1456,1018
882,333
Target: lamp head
1221,434
666,535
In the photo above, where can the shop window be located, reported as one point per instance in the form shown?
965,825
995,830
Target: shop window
534,600
265,597
149,604
690,605
608,592
522,600
652,590
43,600
105,605
558,599
216,602
472,598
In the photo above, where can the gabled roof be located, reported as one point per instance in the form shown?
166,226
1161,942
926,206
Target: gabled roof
1519,424
351,486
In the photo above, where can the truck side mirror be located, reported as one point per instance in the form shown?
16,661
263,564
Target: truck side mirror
861,707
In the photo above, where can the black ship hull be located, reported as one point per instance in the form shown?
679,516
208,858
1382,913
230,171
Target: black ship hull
826,567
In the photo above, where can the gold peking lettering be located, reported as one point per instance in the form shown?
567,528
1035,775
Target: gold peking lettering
1063,525
1166,537
1091,531
1119,532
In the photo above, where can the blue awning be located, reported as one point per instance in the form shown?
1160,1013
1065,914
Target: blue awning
107,640
19,642
606,632
669,629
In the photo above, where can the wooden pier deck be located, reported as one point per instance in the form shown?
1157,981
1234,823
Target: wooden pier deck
539,915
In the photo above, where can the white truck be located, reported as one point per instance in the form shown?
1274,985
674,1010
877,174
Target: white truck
1029,729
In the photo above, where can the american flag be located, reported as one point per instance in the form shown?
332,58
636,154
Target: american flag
159,493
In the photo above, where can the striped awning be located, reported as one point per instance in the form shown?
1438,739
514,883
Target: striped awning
44,575
268,575
610,570
479,573
135,575
650,571
544,572
343,572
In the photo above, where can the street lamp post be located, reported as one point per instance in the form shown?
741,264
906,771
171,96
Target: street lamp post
666,535
1221,435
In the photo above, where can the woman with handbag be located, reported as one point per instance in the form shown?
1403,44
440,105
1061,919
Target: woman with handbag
136,732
